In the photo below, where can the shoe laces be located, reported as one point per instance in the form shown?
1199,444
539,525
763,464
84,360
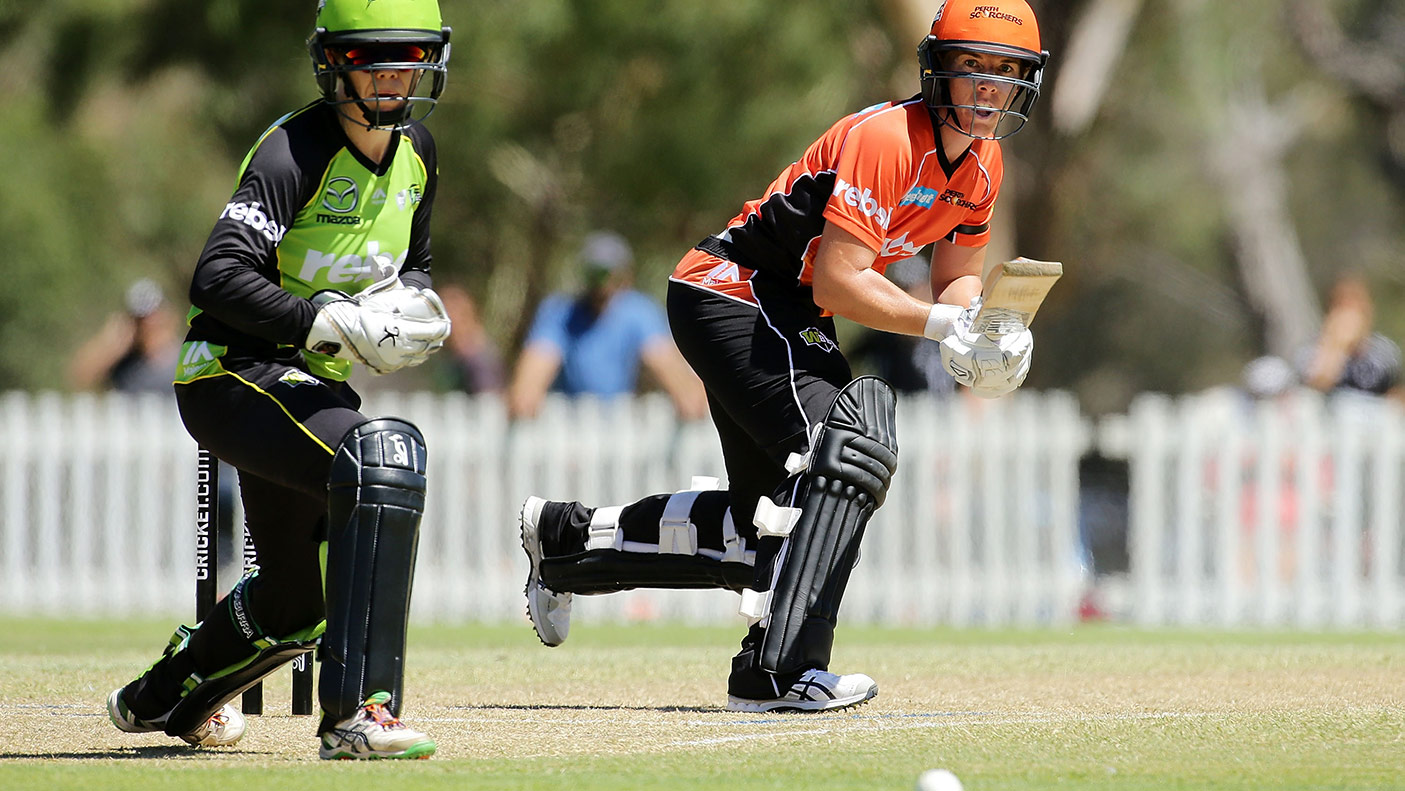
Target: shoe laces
381,715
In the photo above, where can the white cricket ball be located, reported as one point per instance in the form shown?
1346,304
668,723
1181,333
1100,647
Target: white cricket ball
938,780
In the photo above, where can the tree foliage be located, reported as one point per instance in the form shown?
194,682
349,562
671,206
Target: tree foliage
658,119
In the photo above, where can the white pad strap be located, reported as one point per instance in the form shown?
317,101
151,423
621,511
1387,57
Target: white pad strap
605,530
774,520
677,533
796,464
734,544
756,607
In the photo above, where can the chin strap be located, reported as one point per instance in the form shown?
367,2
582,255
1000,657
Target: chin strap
379,119
373,119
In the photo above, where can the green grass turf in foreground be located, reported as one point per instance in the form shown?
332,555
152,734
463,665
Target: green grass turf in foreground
640,707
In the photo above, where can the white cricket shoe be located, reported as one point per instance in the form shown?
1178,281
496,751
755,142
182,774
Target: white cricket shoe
373,732
813,690
550,611
223,729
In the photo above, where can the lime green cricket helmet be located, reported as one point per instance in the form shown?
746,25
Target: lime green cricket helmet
377,35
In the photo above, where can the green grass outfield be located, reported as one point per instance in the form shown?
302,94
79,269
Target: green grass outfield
640,707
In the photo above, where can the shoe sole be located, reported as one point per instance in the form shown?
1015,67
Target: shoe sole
800,706
212,744
531,512
417,752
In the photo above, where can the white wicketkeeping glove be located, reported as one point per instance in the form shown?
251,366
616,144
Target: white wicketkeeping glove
991,367
381,332
421,304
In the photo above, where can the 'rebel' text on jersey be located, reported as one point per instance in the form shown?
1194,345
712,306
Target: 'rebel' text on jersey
249,214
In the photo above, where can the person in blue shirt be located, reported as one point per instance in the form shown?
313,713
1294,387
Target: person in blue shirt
135,350
594,341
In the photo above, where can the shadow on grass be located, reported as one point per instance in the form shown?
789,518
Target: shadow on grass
174,752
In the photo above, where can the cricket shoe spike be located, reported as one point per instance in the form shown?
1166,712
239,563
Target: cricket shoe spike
374,732
811,690
224,728
550,611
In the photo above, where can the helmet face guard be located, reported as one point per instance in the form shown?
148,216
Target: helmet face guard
337,55
1020,91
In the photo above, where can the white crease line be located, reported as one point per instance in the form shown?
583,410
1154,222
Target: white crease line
725,719
540,721
746,737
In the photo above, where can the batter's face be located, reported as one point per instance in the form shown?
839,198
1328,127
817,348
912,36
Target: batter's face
982,98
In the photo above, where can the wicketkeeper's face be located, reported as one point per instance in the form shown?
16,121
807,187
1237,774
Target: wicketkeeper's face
382,76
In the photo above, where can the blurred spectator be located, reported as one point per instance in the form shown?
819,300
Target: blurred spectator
470,361
1268,377
592,342
911,364
135,350
1348,355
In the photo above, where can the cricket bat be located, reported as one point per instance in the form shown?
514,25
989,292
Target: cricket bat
1012,293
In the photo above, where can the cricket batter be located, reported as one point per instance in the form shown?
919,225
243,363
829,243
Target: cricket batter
321,259
810,451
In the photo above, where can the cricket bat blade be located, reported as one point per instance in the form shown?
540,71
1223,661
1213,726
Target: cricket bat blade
1012,294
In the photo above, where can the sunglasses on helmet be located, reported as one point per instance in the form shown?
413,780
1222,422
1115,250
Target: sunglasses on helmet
371,55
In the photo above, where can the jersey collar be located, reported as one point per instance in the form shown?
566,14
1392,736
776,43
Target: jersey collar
365,162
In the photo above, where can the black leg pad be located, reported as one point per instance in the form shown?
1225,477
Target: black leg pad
610,571
375,501
850,469
212,693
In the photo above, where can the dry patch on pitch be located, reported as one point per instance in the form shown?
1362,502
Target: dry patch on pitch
535,703
666,700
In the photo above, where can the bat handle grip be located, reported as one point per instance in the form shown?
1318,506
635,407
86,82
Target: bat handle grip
996,322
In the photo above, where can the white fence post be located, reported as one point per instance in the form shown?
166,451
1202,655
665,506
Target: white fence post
1385,590
15,501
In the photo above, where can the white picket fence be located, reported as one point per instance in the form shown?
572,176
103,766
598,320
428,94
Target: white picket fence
1283,513
1273,513
97,502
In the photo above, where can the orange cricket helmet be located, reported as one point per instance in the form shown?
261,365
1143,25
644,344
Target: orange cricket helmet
1003,28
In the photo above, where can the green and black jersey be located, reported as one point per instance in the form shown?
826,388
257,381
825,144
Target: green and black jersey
310,213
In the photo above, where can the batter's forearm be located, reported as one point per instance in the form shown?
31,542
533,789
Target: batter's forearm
870,299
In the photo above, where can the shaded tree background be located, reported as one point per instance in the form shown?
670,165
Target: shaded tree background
659,118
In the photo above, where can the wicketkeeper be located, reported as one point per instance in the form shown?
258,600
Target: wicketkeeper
320,260
810,451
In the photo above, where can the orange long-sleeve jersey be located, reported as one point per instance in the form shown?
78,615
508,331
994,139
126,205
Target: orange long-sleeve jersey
880,174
